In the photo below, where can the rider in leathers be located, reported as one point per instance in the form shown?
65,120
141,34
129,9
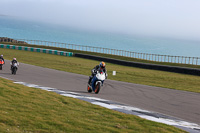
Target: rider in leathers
1,57
101,66
12,62
1,61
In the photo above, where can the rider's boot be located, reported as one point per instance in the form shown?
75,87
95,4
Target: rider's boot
89,81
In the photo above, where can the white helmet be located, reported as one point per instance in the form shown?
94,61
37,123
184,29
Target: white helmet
14,58
1,55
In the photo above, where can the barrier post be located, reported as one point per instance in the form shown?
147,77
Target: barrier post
189,61
192,60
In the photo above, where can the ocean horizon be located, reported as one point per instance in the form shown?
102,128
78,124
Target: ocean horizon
20,29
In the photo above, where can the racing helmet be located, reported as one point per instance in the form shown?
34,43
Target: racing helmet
14,59
102,64
1,55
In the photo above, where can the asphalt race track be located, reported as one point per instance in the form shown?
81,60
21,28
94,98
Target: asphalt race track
180,104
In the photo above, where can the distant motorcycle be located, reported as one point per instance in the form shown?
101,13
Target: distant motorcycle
97,82
1,64
14,68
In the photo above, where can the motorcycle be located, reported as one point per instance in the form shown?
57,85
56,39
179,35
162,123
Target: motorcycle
1,64
97,82
14,68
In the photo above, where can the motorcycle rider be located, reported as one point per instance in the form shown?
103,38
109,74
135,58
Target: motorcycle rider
12,62
1,61
101,66
1,57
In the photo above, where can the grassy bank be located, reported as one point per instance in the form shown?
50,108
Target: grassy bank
109,56
24,109
127,74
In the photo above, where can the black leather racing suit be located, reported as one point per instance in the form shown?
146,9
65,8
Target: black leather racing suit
12,62
94,71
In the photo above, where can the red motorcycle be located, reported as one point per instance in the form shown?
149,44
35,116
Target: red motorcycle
1,64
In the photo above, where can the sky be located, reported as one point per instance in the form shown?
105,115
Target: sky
170,18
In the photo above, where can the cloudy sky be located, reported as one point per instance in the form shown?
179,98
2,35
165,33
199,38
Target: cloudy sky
172,18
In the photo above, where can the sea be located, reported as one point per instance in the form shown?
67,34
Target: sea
15,28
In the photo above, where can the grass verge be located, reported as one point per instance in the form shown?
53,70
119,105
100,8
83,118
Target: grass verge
24,109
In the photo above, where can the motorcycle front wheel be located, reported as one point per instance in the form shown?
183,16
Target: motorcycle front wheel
14,71
97,88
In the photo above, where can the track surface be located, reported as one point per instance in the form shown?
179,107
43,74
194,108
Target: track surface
180,104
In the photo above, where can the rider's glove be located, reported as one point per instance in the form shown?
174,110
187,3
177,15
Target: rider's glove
94,71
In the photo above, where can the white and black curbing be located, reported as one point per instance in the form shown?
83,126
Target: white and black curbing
40,50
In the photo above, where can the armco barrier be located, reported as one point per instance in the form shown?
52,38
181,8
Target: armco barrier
41,50
183,70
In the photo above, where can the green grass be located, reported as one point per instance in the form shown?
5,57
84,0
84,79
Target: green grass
124,73
24,109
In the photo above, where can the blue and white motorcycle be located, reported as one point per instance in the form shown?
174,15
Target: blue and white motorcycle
97,82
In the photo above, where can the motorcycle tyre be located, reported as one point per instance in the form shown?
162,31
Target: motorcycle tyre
14,71
89,89
97,88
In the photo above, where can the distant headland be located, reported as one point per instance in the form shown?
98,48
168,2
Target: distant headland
6,39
